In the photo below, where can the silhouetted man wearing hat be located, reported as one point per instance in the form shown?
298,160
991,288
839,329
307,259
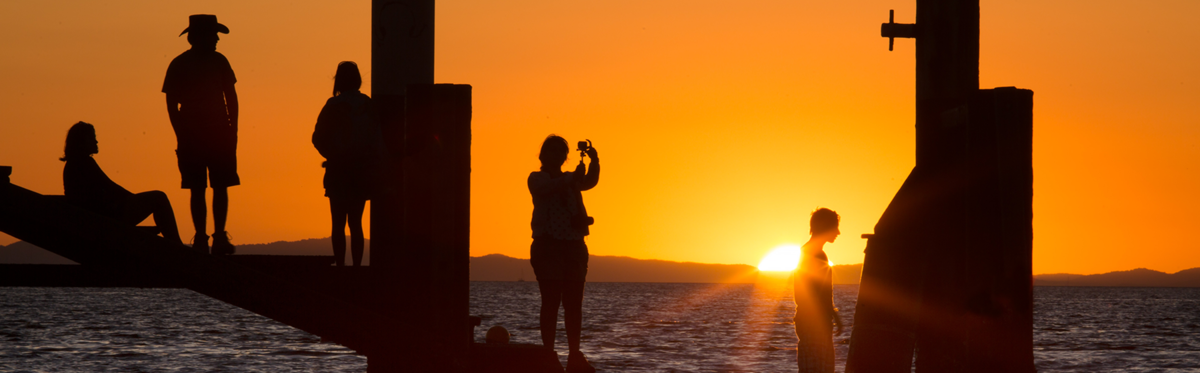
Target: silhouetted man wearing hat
203,108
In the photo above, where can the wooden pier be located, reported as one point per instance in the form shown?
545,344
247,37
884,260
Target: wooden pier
407,312
340,304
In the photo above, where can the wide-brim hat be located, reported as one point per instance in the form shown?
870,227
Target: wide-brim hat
204,23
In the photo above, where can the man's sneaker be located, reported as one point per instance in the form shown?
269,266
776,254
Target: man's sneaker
200,243
221,245
577,363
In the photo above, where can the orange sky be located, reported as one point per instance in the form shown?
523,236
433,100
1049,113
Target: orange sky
721,124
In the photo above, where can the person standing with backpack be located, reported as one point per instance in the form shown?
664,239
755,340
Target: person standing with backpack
348,135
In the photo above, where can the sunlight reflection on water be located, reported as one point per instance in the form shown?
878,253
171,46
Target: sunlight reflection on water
665,327
627,327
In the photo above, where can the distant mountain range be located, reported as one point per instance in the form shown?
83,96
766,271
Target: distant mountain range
497,267
1140,277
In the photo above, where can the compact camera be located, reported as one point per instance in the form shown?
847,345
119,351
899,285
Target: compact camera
583,146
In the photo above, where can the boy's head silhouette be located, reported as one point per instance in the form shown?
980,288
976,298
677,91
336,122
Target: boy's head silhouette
824,222
202,31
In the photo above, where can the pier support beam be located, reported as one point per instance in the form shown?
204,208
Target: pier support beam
401,54
431,268
947,275
420,223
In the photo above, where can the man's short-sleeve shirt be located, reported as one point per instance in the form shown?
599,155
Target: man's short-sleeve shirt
197,80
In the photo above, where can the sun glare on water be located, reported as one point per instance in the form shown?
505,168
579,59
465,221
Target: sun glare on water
782,258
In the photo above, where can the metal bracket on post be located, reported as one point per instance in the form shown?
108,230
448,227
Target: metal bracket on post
892,30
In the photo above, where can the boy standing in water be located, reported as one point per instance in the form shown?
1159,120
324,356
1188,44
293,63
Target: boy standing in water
203,107
814,296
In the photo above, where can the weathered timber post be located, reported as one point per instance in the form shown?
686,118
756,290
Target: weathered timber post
401,54
947,272
420,224
435,237
998,324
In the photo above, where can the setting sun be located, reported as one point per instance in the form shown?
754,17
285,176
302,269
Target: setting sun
783,258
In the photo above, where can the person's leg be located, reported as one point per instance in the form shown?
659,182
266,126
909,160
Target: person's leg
220,208
551,298
221,162
814,344
355,215
337,210
200,213
575,261
155,203
572,301
801,364
221,244
827,353
194,177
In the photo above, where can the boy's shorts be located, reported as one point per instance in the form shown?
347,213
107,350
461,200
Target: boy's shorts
198,171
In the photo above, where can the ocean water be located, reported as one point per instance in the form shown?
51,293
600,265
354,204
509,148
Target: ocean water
627,327
152,330
1092,329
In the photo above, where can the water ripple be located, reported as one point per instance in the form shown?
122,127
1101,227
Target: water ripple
643,327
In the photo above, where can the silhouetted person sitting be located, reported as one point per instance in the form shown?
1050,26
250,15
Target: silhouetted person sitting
815,312
348,136
87,186
558,254
203,107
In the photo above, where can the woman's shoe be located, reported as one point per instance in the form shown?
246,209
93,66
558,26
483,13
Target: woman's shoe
200,243
221,245
577,363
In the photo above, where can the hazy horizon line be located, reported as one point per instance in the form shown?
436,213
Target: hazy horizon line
693,262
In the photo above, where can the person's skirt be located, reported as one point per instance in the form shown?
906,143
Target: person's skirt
350,181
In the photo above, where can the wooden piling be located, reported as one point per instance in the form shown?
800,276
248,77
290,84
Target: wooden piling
946,277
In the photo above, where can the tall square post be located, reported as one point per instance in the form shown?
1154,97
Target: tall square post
946,277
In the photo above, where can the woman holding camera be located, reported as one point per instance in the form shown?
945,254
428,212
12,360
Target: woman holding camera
558,254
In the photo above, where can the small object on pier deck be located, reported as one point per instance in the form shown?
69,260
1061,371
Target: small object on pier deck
4,172
497,335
